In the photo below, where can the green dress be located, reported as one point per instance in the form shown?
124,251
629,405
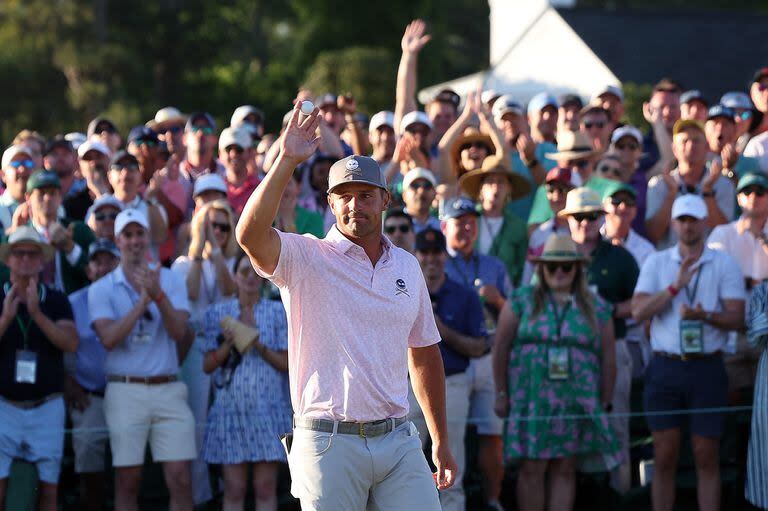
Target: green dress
557,418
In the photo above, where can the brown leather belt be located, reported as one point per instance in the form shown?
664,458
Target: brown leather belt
145,380
689,356
28,405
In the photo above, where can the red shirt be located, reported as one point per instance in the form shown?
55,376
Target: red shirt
238,195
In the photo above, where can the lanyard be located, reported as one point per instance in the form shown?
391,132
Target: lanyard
24,329
487,228
559,315
469,280
691,295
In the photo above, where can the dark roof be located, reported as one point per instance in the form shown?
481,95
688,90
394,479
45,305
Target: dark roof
713,51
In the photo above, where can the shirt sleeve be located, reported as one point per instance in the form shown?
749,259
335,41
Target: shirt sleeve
294,258
181,266
176,290
211,328
518,299
753,149
725,196
281,327
717,239
732,282
61,309
657,191
99,305
757,319
647,281
424,331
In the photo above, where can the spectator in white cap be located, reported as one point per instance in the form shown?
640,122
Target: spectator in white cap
104,130
169,123
611,98
627,146
18,164
76,139
208,188
234,152
140,314
93,161
381,134
251,118
542,117
200,140
102,214
418,194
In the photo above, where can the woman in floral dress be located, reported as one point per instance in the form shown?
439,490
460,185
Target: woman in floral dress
252,407
554,357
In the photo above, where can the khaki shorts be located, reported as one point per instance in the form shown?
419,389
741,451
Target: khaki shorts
89,436
136,412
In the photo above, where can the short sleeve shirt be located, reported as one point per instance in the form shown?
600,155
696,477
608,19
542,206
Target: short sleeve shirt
614,272
350,325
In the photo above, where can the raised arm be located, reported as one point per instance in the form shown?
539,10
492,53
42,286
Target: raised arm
412,43
443,165
254,230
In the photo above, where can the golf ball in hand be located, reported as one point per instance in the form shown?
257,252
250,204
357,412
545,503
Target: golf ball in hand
307,107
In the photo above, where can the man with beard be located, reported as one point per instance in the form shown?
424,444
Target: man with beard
418,195
234,152
200,139
693,296
93,159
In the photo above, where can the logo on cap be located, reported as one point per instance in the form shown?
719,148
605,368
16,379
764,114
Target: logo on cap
352,165
402,289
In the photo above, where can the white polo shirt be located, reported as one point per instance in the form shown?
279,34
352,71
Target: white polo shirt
744,248
719,279
152,353
350,325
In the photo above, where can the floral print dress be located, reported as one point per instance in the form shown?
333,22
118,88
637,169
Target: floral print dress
557,418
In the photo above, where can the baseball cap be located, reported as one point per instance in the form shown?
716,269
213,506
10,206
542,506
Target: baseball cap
689,205
759,74
721,111
58,141
43,179
356,169
736,99
541,100
415,117
457,207
682,124
327,99
626,131
567,99
105,200
197,116
103,245
93,145
430,239
11,152
208,182
122,155
752,179
141,132
96,123
130,216
234,136
610,89
418,173
489,95
692,95
383,118
241,112
76,139
506,104
615,187
447,96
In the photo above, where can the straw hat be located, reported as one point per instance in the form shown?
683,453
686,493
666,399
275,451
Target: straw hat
27,235
582,200
559,247
165,117
470,135
572,145
471,182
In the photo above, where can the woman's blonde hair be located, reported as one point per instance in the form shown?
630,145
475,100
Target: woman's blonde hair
579,290
231,248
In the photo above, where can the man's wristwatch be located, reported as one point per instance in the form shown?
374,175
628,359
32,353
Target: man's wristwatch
710,193
532,163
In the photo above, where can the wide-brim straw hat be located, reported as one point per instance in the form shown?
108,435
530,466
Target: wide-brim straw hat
582,200
471,182
165,117
572,145
29,236
470,135
559,247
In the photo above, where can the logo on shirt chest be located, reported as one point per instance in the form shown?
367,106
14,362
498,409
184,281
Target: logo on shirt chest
401,288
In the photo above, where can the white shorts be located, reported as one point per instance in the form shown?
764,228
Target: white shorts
89,436
136,412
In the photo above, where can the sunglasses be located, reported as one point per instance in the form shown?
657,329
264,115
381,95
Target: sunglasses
579,164
21,253
100,217
172,129
476,145
744,116
608,170
631,147
594,124
207,130
617,201
553,267
403,229
423,184
127,166
589,217
236,148
23,163
757,190
221,227
148,143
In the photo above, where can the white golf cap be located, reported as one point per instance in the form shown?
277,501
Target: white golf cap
76,139
626,131
93,145
418,173
383,118
488,95
14,150
234,136
104,200
130,216
609,89
506,104
208,182
415,117
689,205
241,112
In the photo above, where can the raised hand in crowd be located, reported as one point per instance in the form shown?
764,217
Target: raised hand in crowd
415,37
62,237
20,217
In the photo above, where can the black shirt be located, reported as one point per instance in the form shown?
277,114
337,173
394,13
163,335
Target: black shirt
76,206
49,377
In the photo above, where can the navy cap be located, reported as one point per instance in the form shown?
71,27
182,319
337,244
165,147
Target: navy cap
458,206
103,245
198,116
142,133
58,141
327,99
122,155
447,96
100,122
430,239
721,111
572,99
692,95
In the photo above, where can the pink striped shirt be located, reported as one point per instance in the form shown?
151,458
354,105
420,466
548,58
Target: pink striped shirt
350,325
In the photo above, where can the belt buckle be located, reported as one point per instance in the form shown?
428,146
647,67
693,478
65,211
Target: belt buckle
361,431
684,357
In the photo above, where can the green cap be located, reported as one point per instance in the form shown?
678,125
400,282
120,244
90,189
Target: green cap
752,179
43,179
615,187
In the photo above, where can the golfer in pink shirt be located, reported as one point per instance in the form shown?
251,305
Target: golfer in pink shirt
360,319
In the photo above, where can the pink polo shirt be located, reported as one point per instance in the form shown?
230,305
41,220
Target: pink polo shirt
350,326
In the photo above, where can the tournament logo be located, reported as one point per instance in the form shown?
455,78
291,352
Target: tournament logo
402,289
